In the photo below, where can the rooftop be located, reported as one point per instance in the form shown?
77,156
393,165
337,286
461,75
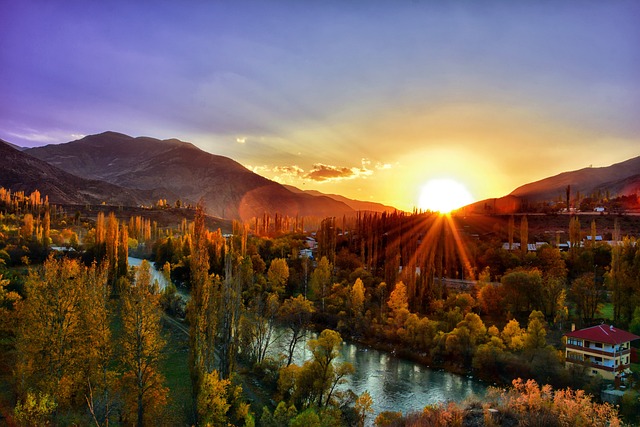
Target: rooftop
603,333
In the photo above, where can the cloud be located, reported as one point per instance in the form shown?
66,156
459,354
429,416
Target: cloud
324,173
51,137
319,172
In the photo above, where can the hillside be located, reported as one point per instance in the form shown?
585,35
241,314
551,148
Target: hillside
22,172
620,179
357,205
175,169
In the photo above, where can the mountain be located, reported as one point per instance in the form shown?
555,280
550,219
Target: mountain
21,172
620,179
175,170
357,205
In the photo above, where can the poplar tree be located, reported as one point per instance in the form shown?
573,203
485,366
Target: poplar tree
202,311
141,346
524,234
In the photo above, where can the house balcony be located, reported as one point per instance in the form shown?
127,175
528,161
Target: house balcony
599,365
589,350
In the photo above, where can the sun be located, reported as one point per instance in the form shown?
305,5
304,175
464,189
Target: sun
444,195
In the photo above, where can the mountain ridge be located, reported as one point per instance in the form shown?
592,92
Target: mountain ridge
183,171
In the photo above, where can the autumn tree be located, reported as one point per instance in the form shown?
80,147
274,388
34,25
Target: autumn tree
277,275
535,337
141,346
325,349
398,305
356,297
513,335
321,280
26,231
202,310
295,313
62,343
363,407
316,381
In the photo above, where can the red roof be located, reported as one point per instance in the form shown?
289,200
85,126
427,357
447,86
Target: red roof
603,333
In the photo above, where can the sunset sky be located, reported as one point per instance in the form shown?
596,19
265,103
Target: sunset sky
368,99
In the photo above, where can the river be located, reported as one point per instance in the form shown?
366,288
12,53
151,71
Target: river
395,384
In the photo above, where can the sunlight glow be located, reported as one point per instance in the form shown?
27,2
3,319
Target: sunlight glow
444,195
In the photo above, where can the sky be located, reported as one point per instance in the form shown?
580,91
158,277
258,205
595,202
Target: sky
368,99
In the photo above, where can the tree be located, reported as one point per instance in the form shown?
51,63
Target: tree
399,305
296,314
363,407
587,295
325,349
522,289
321,279
212,400
510,230
524,234
357,298
277,275
535,337
513,335
59,344
141,346
202,311
27,227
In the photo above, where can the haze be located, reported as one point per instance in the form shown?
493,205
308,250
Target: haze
365,99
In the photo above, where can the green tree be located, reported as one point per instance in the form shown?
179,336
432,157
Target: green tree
587,295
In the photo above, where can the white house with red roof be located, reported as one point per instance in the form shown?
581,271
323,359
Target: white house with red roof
603,349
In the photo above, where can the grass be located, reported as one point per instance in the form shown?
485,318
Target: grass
606,310
175,368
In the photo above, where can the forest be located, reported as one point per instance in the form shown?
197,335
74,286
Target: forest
87,340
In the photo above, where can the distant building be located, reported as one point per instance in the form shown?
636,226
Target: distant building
306,253
311,243
602,349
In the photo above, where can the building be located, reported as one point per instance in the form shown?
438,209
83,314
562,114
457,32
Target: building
602,349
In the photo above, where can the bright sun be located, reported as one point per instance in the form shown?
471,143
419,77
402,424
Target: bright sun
444,195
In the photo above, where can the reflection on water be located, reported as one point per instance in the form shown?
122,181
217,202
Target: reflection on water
396,384
155,274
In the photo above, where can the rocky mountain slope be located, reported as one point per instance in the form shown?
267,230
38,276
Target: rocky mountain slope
22,172
180,170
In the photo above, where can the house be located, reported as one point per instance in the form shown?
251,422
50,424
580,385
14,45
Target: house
602,349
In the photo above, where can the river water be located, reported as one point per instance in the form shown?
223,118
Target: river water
395,384
155,274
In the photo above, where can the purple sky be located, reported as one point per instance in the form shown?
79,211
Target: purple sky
369,99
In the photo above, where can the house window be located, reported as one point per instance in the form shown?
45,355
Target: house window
574,341
598,359
597,344
594,372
